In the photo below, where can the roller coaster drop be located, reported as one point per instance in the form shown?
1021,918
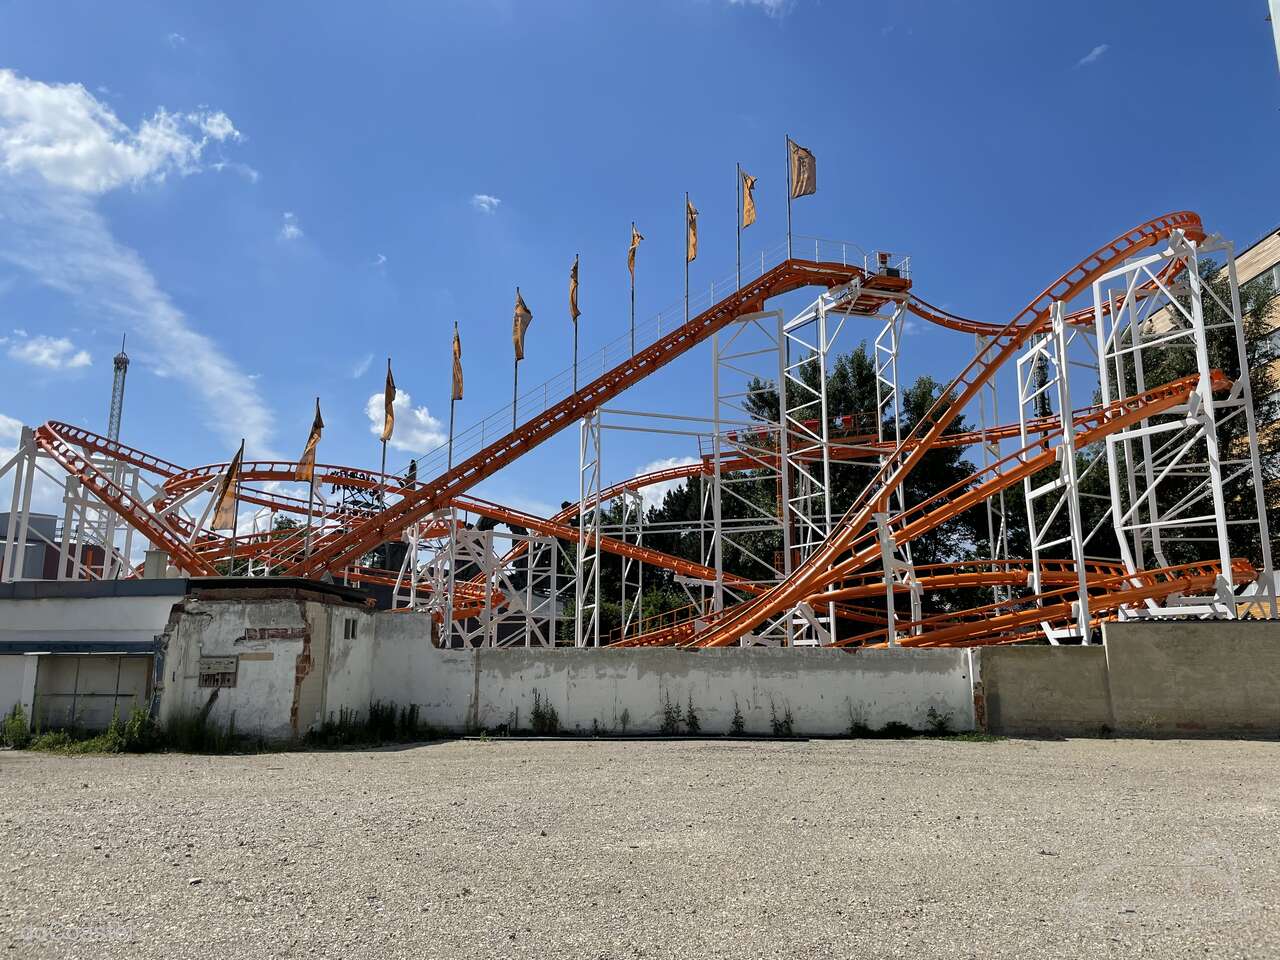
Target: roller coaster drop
1173,486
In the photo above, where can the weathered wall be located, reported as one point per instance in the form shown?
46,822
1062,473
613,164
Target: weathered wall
17,683
1194,678
825,691
1148,678
101,621
285,649
1041,691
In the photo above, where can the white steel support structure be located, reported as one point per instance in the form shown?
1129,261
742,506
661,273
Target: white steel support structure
806,420
586,610
749,364
91,543
898,564
997,514
632,531
1177,487
516,602
1055,521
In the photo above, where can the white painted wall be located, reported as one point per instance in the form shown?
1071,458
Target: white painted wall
17,683
626,690
295,667
100,619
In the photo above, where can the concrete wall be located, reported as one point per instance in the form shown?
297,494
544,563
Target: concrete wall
1178,679
102,621
1043,691
620,691
17,683
1149,678
285,650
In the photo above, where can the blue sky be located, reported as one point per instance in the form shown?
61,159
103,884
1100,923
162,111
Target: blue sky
270,200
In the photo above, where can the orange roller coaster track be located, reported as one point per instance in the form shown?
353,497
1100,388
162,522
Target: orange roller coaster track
836,572
816,571
345,547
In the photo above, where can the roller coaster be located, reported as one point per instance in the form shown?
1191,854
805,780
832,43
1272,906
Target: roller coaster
1176,484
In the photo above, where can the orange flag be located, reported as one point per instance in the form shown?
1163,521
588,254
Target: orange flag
691,232
388,404
631,250
748,199
457,365
574,312
804,170
519,324
307,462
224,499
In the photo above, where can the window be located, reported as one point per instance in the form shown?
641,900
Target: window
350,628
1270,275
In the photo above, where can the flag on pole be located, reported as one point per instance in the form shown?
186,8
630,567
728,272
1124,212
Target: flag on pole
307,462
519,324
388,404
457,365
748,199
224,499
691,232
631,250
804,171
574,312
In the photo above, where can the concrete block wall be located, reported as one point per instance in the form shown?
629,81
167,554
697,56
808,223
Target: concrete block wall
1148,678
1194,678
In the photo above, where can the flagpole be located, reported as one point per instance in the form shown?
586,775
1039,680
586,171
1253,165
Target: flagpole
311,495
515,385
575,341
311,505
383,481
235,516
633,295
737,195
789,189
452,400
686,256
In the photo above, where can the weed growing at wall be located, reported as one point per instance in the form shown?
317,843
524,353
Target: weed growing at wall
672,717
384,723
737,726
782,725
692,723
543,717
939,723
15,732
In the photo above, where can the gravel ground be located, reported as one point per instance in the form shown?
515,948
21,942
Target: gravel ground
649,849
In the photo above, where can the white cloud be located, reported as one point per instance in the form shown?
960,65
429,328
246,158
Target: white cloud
484,202
1093,55
10,429
61,147
175,40
655,493
243,169
63,134
362,366
382,258
289,229
52,353
416,430
774,8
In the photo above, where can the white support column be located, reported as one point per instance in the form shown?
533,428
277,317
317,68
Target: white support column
587,605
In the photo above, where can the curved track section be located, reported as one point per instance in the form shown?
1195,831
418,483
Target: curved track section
346,547
814,573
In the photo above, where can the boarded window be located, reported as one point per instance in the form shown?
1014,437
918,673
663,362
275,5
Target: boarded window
218,671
